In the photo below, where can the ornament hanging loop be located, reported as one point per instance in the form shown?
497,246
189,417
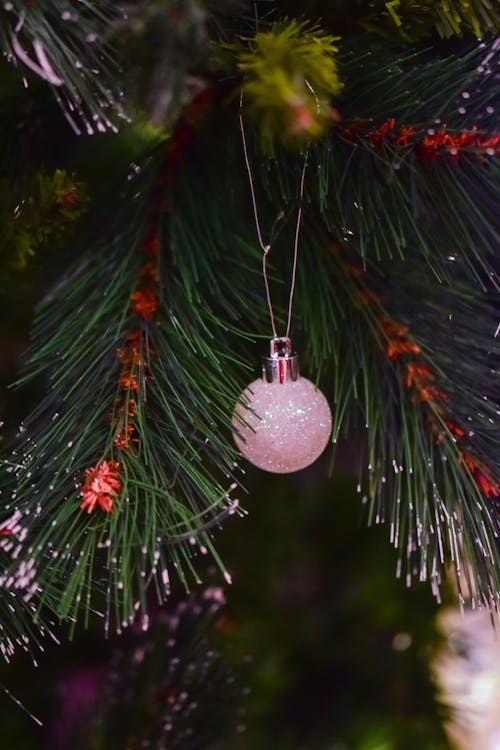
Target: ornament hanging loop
266,248
282,364
296,243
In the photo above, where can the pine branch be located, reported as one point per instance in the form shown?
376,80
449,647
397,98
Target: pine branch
414,18
400,193
21,628
65,46
436,168
422,203
419,86
142,344
432,439
140,384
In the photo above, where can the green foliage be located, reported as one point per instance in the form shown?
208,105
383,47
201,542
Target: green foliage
415,483
422,243
419,18
176,483
419,202
449,18
42,219
65,45
290,74
402,234
415,229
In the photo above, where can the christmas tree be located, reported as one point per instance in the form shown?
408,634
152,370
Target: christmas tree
182,181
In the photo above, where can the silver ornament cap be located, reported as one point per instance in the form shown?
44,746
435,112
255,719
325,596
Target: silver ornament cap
282,364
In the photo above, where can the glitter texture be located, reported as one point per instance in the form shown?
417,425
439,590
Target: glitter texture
289,429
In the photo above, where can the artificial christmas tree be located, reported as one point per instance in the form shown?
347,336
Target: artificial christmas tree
143,228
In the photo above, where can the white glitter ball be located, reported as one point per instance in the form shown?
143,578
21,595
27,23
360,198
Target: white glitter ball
290,428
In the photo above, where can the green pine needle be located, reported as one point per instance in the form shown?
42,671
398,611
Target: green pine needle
448,17
423,236
67,48
177,481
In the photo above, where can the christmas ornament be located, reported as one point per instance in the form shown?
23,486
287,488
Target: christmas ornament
283,423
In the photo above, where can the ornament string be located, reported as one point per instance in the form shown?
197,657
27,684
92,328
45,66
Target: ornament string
296,244
266,248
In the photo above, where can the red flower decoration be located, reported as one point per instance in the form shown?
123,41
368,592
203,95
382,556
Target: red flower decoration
376,137
397,347
129,355
430,393
491,143
393,328
404,134
417,375
102,483
124,438
129,382
145,302
455,429
482,477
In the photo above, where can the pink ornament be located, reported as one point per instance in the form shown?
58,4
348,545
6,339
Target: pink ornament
285,422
